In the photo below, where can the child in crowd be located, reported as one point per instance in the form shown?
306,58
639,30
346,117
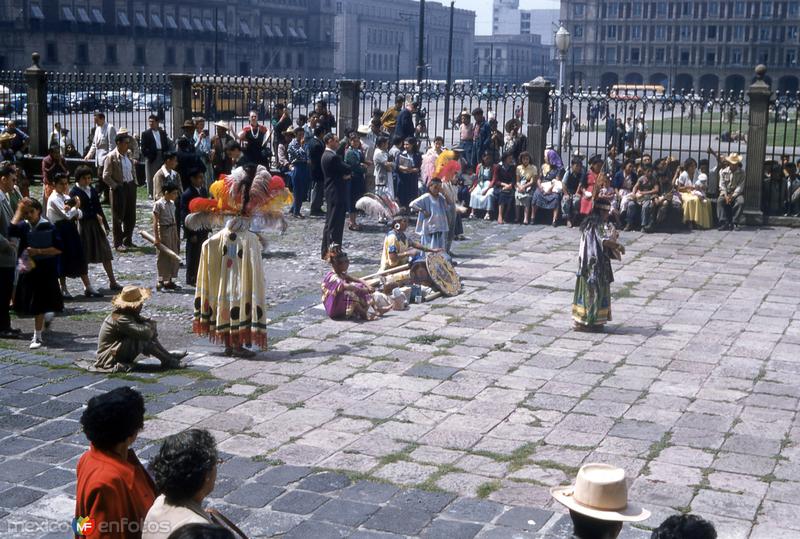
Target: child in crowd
432,226
64,211
165,231
194,238
38,293
346,297
93,226
701,184
527,174
384,186
607,193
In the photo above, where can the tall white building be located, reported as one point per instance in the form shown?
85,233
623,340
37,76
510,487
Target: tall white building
539,21
505,17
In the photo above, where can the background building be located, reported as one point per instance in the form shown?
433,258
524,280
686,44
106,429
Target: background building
505,17
374,37
511,59
539,21
690,45
242,37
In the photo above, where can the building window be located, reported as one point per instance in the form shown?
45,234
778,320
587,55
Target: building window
613,10
766,10
684,58
189,57
208,57
139,56
661,10
791,33
636,32
635,55
579,11
736,56
661,33
711,33
738,33
794,9
82,54
169,56
685,33
791,58
611,55
764,34
763,57
577,31
739,9
611,33
111,54
713,9
660,57
711,58
636,10
51,52
577,54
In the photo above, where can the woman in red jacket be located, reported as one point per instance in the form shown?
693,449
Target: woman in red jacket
114,491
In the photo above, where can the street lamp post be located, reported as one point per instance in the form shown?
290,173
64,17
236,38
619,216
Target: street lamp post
562,40
421,43
449,67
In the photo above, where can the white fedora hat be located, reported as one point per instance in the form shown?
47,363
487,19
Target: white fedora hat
600,492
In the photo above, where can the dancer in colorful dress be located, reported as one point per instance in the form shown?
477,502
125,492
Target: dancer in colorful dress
346,297
229,302
591,305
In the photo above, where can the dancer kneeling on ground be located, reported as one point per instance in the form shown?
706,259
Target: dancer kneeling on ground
344,296
125,334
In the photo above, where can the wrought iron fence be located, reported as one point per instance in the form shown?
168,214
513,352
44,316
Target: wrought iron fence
232,98
13,95
783,129
499,101
678,125
127,99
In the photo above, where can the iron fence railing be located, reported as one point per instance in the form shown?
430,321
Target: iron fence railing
13,95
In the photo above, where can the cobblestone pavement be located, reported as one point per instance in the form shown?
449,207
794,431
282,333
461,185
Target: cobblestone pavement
452,419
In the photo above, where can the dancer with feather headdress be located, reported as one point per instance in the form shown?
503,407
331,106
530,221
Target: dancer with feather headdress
229,302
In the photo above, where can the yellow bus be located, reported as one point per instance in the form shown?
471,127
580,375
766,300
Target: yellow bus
233,97
636,91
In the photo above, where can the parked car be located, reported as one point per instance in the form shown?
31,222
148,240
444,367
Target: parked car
57,102
330,98
156,101
85,102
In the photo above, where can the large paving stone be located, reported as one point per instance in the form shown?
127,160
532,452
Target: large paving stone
403,521
523,518
299,502
345,512
451,529
253,495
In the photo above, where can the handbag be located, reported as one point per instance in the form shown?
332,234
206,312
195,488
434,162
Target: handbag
221,520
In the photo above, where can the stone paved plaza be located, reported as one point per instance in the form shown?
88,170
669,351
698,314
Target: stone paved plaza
452,419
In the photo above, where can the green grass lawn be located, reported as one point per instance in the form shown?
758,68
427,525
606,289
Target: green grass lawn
780,134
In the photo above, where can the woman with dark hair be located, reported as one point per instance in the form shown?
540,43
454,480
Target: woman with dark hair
201,531
113,487
409,164
505,186
591,304
185,470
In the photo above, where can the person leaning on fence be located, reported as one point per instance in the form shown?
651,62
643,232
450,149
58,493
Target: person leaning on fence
154,145
389,118
730,203
119,175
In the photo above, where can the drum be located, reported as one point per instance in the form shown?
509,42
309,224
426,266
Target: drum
442,274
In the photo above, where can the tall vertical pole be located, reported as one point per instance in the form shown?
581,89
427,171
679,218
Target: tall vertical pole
491,65
216,40
398,66
561,60
421,43
449,82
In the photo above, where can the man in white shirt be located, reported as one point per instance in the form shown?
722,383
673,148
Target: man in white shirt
120,175
202,144
102,141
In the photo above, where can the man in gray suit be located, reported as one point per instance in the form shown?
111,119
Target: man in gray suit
8,251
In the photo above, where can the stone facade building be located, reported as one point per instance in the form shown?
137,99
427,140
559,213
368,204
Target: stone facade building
688,45
238,37
511,59
373,36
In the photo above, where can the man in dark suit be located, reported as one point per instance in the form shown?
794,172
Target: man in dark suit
337,174
194,238
315,150
405,121
154,142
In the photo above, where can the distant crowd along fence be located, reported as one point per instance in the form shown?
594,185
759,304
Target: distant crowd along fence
678,124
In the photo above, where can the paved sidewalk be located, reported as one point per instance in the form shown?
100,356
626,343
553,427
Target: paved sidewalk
454,418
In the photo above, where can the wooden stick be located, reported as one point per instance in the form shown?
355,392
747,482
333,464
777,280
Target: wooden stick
161,247
433,296
398,269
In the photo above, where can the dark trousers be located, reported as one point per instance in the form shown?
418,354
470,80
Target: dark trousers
730,213
123,213
334,221
317,196
6,287
194,244
299,186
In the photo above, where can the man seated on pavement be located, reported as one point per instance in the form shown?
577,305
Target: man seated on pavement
598,502
125,334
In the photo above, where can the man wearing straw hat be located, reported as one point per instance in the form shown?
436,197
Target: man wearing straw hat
219,159
125,334
598,502
730,203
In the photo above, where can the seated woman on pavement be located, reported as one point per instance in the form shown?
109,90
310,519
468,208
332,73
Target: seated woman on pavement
549,187
125,334
696,207
185,471
482,196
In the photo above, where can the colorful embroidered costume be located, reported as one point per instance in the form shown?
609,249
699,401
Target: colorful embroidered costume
341,303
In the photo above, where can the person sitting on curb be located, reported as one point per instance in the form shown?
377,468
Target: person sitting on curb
125,334
598,502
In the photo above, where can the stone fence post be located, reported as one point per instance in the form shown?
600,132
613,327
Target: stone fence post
759,94
538,117
181,101
36,87
349,97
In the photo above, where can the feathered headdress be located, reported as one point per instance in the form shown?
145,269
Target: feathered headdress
377,206
447,164
262,199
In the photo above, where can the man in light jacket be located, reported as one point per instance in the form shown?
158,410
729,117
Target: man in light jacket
119,175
